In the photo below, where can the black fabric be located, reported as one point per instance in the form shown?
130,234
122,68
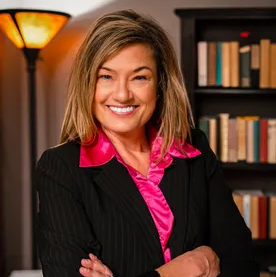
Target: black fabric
100,211
151,273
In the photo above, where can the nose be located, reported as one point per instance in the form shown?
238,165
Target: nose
121,93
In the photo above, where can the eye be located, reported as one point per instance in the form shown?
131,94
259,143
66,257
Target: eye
105,77
140,78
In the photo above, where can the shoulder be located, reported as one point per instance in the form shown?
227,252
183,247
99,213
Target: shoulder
199,140
208,157
56,170
67,154
58,166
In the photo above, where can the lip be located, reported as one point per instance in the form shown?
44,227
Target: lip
122,114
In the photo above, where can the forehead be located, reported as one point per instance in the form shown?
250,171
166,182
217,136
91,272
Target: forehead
139,54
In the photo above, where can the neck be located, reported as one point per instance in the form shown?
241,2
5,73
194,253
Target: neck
135,141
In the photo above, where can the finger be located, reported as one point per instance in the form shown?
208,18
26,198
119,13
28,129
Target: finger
95,265
87,263
92,257
99,266
86,272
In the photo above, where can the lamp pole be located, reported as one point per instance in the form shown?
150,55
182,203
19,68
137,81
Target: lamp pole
31,56
30,30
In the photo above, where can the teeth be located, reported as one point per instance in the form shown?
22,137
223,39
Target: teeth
122,110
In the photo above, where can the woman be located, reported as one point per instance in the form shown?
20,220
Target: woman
133,189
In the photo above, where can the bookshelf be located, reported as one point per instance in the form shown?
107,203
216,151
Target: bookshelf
238,91
257,167
247,26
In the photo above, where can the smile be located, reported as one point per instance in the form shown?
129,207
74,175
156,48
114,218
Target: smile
123,110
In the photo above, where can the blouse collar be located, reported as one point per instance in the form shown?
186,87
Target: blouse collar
101,151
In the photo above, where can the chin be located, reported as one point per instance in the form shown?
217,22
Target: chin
122,128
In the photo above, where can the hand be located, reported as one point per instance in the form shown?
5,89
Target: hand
201,262
211,258
93,267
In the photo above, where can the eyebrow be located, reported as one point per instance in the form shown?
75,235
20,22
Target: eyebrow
135,70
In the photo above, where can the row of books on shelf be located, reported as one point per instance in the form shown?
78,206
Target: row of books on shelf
230,64
242,138
258,209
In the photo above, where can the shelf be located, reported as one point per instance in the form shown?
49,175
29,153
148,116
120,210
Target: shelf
225,13
264,242
248,166
233,91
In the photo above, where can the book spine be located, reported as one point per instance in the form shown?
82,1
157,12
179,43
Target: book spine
262,217
254,216
224,137
256,127
271,143
219,65
263,140
225,64
255,65
234,64
232,140
245,65
241,134
212,52
272,217
202,63
264,63
249,141
246,209
213,134
273,65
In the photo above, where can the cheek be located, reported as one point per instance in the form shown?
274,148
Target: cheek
99,98
150,100
149,97
147,93
101,94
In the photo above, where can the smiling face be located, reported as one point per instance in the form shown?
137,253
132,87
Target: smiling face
125,96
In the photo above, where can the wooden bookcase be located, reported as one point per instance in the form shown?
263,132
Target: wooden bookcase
226,24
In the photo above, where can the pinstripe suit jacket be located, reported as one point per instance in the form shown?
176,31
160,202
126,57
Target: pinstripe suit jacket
100,210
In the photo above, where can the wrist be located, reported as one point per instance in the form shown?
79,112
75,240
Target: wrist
204,260
197,264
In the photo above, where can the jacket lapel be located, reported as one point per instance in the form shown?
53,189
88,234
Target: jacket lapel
176,188
115,180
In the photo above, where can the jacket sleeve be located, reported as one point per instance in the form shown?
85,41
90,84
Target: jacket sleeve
63,233
229,236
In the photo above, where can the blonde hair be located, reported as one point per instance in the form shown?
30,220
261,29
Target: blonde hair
108,35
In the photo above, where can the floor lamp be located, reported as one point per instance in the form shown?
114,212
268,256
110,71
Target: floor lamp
30,30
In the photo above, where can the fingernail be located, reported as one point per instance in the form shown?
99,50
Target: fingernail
87,261
83,269
92,256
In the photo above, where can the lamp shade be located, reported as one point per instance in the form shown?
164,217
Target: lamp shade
31,29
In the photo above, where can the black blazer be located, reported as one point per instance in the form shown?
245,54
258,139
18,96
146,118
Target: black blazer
100,210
